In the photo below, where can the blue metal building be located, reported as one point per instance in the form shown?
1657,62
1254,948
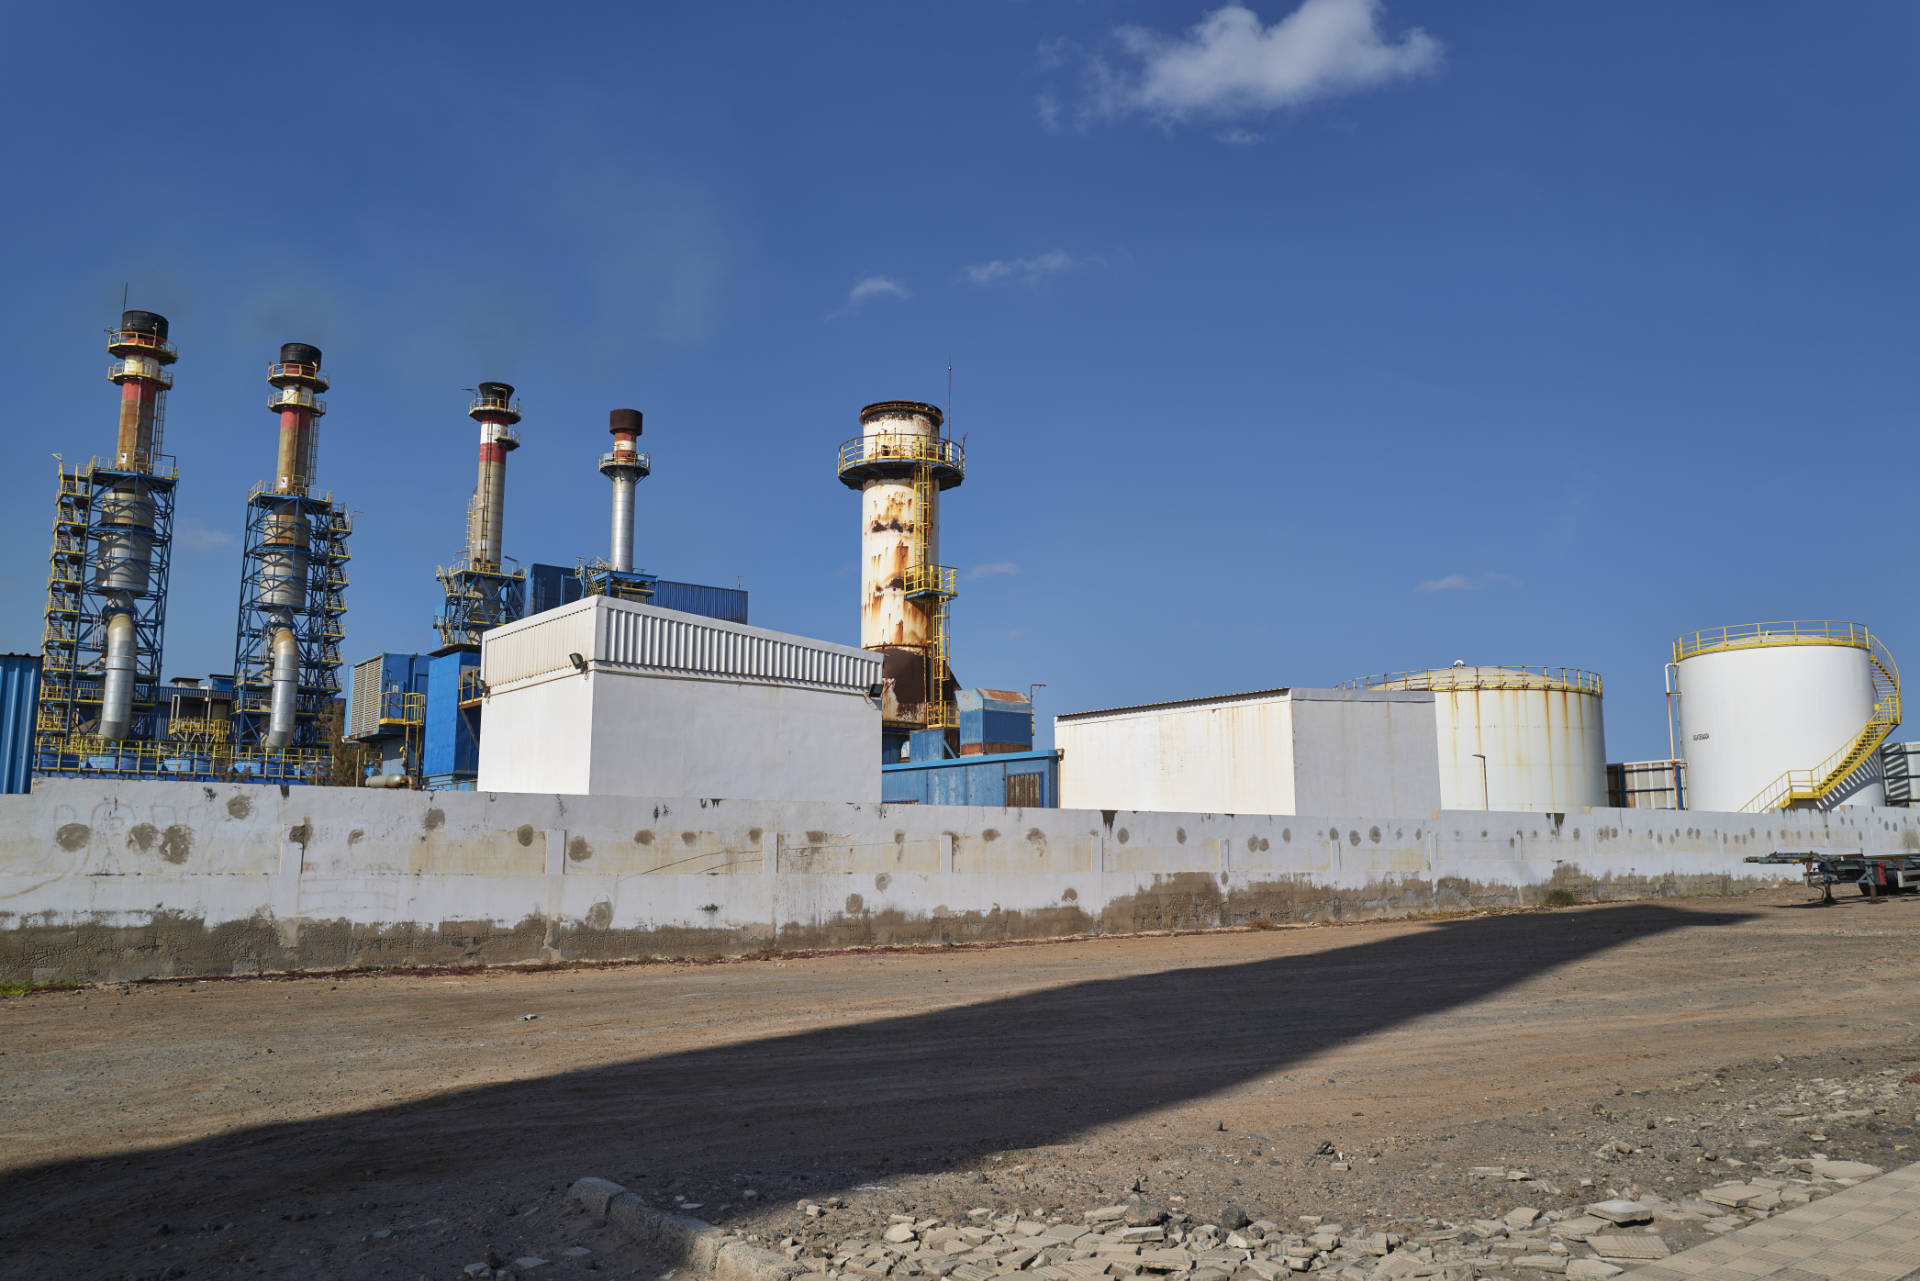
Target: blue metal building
555,585
994,722
1019,780
451,756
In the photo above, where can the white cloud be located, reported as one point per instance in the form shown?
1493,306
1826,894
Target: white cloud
993,568
1451,583
1028,270
1241,137
1230,64
194,536
1049,108
875,287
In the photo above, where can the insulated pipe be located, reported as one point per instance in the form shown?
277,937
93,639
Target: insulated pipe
286,684
624,466
493,408
116,698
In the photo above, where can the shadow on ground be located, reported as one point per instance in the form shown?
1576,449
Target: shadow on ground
822,1109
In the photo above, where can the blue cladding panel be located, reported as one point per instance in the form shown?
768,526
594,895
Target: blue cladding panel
929,745
725,603
452,745
19,707
1000,719
973,780
552,586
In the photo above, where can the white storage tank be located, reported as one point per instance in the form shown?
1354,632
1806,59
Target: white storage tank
1784,715
1514,738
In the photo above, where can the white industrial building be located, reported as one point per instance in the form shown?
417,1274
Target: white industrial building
1277,751
608,697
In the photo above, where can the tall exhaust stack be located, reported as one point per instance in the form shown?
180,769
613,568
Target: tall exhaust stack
480,593
625,466
292,592
496,413
900,463
107,579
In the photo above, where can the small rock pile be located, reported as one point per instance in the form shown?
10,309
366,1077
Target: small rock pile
1146,1239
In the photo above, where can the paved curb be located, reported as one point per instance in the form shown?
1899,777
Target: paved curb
692,1243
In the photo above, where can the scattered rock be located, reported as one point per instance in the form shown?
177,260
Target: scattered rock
1620,1210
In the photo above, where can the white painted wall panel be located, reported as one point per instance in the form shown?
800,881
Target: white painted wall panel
1278,752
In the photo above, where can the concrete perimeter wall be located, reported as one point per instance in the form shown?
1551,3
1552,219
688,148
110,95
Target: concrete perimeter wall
135,880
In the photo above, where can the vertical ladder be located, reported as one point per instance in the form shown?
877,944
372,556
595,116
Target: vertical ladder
924,580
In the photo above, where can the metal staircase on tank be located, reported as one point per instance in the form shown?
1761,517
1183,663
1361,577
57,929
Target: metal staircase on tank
1814,786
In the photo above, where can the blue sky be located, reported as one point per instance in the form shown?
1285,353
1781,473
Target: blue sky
1291,343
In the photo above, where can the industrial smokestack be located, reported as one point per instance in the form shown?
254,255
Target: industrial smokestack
296,383
496,412
900,463
126,512
140,345
625,467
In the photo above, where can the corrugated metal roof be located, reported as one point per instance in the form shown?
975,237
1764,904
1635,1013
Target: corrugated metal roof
619,635
1178,702
1294,692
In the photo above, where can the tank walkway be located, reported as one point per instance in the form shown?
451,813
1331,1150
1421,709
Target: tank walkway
1870,1232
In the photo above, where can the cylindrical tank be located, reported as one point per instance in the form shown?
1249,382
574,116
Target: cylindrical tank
1761,700
124,544
1514,738
889,511
284,558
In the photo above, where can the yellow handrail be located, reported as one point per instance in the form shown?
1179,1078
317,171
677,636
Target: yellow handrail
931,580
1804,631
1503,676
902,447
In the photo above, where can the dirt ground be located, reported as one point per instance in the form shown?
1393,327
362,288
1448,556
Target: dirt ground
405,1125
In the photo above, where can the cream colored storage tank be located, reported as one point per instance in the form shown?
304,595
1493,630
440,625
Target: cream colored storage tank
1784,715
1514,738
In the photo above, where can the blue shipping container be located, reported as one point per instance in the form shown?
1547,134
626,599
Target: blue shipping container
19,709
1016,780
451,747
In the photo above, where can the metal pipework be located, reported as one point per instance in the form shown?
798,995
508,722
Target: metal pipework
496,411
286,684
625,466
116,695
